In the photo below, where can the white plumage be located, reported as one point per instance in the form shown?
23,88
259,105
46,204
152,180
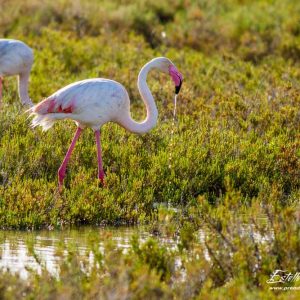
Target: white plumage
16,58
94,102
90,103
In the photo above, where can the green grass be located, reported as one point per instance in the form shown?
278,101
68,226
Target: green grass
235,149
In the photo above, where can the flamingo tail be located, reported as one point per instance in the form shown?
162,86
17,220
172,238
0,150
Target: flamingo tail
47,112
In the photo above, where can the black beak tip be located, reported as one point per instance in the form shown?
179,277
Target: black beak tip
178,87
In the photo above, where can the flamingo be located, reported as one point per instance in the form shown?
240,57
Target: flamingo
16,58
94,102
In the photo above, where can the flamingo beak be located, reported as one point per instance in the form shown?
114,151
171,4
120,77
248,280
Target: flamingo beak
176,77
178,87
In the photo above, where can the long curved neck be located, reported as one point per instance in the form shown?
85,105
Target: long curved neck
23,88
147,97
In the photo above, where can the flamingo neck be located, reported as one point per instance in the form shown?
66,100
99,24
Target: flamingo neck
147,98
23,88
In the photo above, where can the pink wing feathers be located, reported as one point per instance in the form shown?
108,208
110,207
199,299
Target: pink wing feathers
51,109
54,105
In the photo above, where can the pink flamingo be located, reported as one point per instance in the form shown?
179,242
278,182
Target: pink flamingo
94,102
16,58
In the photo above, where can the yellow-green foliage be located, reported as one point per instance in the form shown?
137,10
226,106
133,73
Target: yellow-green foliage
237,119
234,154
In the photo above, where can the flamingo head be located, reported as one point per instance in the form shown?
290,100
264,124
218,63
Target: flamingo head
166,66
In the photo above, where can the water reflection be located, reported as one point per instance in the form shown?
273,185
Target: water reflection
15,254
50,247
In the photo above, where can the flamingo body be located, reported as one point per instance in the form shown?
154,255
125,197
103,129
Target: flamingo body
94,102
16,58
90,103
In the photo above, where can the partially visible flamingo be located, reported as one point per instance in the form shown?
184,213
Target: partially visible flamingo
94,102
16,58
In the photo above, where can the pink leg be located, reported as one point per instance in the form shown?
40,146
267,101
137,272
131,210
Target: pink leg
99,155
62,169
1,89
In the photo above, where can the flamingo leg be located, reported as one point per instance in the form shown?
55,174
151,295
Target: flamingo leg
62,169
99,156
1,86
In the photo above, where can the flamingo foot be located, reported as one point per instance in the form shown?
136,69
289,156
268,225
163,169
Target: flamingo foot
61,175
60,188
101,177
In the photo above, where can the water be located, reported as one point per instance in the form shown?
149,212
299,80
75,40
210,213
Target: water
15,254
172,144
50,246
175,108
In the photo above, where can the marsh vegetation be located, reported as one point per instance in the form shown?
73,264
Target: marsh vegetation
235,150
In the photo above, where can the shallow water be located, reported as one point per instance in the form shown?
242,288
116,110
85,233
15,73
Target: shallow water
15,245
50,246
